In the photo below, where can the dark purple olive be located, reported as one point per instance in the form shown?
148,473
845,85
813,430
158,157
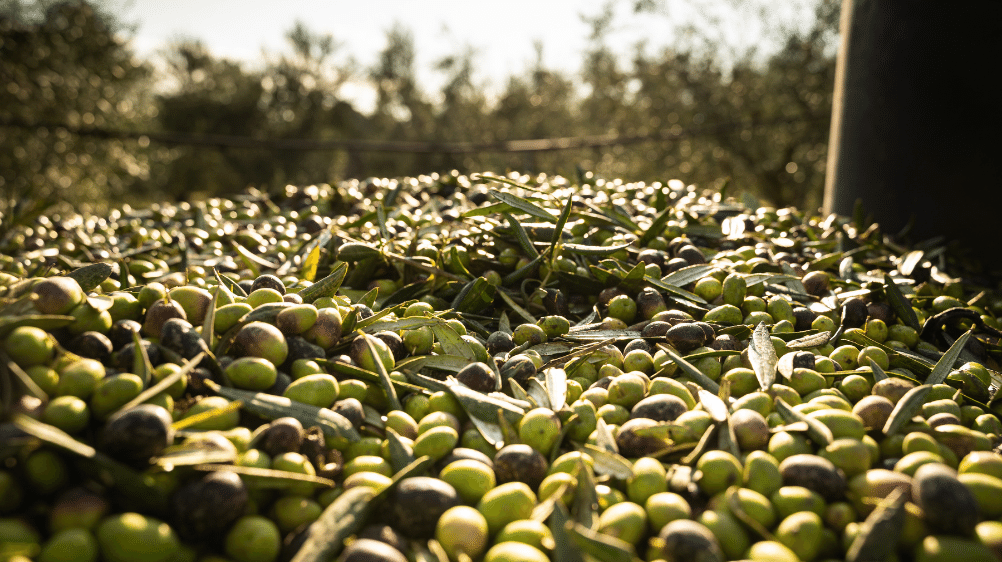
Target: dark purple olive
631,445
659,407
205,508
268,281
416,504
284,435
93,345
121,332
478,376
136,435
520,463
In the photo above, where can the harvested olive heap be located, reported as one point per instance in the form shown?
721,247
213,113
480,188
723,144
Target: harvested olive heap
491,368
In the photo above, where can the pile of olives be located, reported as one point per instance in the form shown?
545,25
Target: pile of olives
499,368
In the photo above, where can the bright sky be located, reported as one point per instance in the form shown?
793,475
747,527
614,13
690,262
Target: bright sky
501,33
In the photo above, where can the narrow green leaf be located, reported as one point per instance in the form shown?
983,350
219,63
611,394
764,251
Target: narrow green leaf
30,387
900,304
267,477
516,308
817,431
558,230
762,354
523,238
713,405
677,292
657,227
384,377
824,262
191,454
141,364
344,517
587,250
401,454
688,274
53,436
164,383
556,387
945,363
326,287
690,370
906,408
214,413
44,321
877,537
564,548
878,371
308,270
602,547
90,277
209,324
273,407
608,463
523,205
229,284
909,261
809,341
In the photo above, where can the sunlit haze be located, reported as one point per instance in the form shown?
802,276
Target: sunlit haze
500,34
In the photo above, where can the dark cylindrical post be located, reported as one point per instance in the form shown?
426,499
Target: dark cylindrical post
917,119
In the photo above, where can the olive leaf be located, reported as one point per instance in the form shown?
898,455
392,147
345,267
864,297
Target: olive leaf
137,486
556,387
688,274
451,341
812,340
44,321
878,371
90,277
401,454
522,237
877,537
344,517
817,431
164,383
483,411
537,391
676,291
762,354
608,463
384,378
564,548
326,287
845,270
191,454
713,405
906,408
602,547
272,407
208,415
945,364
690,370
902,308
522,204
604,438
586,250
909,261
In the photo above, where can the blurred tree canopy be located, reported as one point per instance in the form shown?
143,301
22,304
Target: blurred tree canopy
760,120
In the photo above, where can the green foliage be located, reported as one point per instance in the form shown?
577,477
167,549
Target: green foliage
67,63
760,119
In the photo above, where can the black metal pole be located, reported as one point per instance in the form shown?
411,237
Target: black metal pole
917,120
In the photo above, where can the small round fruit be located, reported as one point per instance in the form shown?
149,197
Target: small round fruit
462,529
131,537
253,538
